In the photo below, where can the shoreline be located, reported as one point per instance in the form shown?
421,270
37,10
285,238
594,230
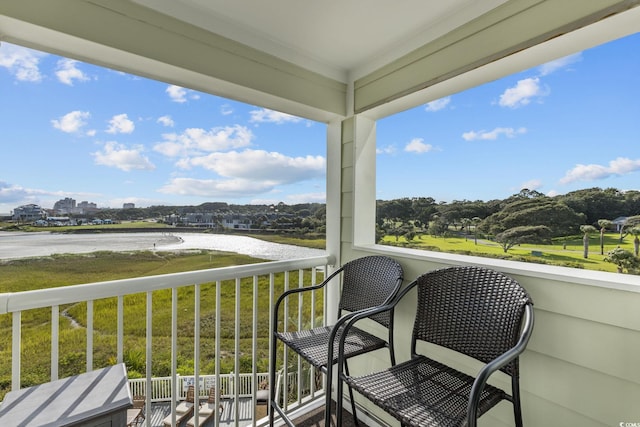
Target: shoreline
18,245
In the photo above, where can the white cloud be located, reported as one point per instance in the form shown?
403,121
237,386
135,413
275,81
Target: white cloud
10,193
71,122
120,124
226,110
493,134
215,188
532,184
177,93
21,62
619,166
265,115
118,156
522,93
67,72
180,94
262,166
552,66
166,121
195,141
438,104
389,149
18,195
417,145
295,199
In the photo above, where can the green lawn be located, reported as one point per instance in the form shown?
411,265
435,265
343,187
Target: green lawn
568,254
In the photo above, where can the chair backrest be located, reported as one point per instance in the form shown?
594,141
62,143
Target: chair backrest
368,282
212,395
138,402
191,394
472,310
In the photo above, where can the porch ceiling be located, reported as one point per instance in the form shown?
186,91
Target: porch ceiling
322,60
340,39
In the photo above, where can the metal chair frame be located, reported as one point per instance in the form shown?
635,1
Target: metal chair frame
472,310
367,282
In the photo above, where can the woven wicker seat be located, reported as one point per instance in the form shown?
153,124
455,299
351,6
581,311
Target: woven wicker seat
366,283
474,311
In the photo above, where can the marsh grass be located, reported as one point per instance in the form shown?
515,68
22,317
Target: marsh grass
66,270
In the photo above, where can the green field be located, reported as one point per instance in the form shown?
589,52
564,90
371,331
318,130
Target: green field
566,252
27,274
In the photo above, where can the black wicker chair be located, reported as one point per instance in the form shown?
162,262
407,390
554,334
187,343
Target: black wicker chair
366,282
475,311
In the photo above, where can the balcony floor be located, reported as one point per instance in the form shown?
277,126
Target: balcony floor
314,418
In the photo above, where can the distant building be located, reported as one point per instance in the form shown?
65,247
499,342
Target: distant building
620,222
85,207
237,222
65,206
129,206
28,213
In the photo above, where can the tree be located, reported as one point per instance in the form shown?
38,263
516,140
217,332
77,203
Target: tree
597,203
624,259
465,225
475,220
587,230
636,241
438,226
525,234
603,224
527,211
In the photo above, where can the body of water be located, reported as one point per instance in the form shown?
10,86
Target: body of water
15,245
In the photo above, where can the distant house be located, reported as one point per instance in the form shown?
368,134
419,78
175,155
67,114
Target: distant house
619,222
242,222
28,213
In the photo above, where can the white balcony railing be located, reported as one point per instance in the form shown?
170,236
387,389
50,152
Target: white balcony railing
268,278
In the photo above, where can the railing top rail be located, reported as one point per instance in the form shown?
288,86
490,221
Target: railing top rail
18,301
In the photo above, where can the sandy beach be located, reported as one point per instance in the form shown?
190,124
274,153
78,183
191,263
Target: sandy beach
15,245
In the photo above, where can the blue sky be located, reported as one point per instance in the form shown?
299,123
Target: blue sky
71,129
570,124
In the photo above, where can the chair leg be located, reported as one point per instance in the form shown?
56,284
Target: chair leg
327,392
515,395
353,402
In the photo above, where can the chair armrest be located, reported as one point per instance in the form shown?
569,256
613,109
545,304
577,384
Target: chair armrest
498,363
350,319
290,292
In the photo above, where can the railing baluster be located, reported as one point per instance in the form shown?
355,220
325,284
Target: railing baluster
89,335
300,305
272,282
236,379
174,351
217,367
120,330
15,349
312,314
254,350
285,327
196,352
55,339
149,346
